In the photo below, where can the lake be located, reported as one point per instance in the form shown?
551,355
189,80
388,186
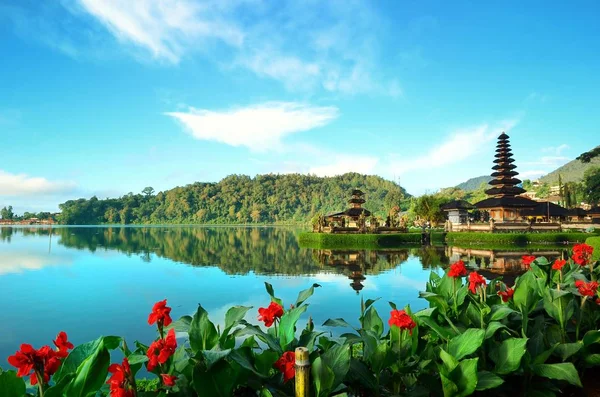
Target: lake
92,281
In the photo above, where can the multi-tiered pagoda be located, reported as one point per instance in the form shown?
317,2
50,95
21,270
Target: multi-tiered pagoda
503,202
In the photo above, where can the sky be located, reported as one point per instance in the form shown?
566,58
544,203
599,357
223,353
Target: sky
106,97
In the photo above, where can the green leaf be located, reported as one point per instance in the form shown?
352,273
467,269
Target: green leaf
137,359
436,300
561,371
566,350
91,374
360,372
307,339
591,337
264,361
219,381
465,377
338,359
336,322
76,357
235,314
449,361
526,296
369,302
323,377
203,334
250,329
507,356
592,359
492,328
11,385
442,332
372,322
112,342
500,312
211,357
181,325
466,343
287,325
304,295
58,390
271,293
488,380
450,388
243,356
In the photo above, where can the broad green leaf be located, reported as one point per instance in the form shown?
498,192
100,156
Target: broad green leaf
287,325
592,359
526,296
76,357
203,334
112,342
370,302
304,295
465,377
243,356
323,377
449,361
428,322
507,355
359,371
250,329
543,356
91,374
435,300
219,381
448,386
336,322
492,328
58,389
137,359
591,337
265,360
561,371
264,392
234,315
11,385
488,380
271,293
211,357
372,321
181,325
500,312
466,343
307,339
181,359
338,360
566,350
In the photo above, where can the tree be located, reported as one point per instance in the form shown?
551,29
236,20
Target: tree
148,191
7,213
588,156
591,185
427,207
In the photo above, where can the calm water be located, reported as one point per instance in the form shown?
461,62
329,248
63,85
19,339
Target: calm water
92,281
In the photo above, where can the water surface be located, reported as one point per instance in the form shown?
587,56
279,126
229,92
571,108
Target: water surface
92,281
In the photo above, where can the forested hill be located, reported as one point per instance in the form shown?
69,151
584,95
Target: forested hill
238,199
474,183
571,172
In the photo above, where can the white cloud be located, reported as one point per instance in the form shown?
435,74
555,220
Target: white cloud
25,185
557,150
346,163
532,174
259,127
460,145
167,28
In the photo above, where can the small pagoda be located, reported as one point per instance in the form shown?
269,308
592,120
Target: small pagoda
504,203
350,217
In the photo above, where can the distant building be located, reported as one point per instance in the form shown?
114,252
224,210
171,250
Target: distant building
457,210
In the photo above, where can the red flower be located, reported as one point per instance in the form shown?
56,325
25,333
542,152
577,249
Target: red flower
118,381
400,319
28,359
582,254
285,365
558,264
168,380
475,281
457,269
527,260
63,344
269,314
161,314
587,289
160,350
506,295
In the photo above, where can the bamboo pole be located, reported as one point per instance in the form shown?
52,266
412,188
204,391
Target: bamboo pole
302,372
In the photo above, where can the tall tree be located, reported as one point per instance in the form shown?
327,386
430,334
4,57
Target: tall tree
591,184
7,213
588,156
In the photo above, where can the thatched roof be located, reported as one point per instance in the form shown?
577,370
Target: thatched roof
542,209
457,205
506,202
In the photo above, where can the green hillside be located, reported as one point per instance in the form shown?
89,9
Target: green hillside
289,198
473,183
571,172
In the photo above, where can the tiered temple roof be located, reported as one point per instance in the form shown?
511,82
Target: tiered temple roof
504,191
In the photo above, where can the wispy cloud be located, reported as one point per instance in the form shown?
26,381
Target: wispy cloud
25,185
258,127
458,146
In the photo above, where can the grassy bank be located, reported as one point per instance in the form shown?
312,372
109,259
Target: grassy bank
594,242
521,239
363,241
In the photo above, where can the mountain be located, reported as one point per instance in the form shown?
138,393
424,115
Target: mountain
288,198
473,183
571,172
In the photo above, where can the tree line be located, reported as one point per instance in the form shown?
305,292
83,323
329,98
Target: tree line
271,198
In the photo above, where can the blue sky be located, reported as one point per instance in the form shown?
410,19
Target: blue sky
106,97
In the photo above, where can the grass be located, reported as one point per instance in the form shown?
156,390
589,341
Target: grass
362,241
519,239
594,242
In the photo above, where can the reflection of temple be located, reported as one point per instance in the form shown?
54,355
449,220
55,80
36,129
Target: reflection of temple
494,263
357,263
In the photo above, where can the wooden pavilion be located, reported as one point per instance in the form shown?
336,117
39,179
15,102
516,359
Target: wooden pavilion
350,217
504,203
457,210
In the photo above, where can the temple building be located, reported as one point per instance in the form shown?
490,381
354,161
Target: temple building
458,210
504,203
350,217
